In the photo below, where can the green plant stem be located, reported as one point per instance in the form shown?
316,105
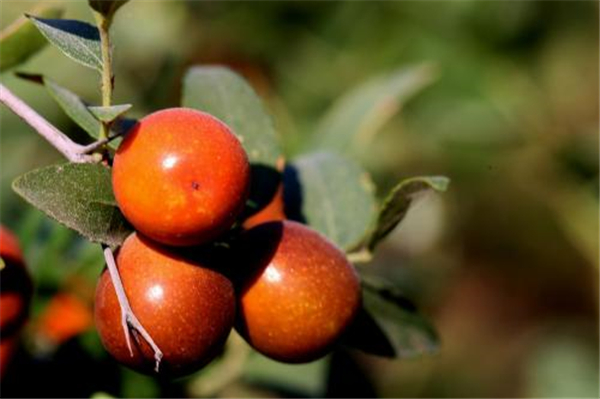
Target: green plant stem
107,75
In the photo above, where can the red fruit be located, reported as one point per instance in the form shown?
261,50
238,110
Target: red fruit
8,346
187,307
9,246
15,295
15,285
273,211
12,311
181,177
301,293
65,317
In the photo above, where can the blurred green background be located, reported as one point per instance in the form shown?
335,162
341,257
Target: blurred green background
505,263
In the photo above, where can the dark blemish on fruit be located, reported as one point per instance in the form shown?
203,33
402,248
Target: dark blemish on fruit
195,185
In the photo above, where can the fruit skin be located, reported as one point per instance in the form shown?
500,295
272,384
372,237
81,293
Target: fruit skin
187,307
299,295
181,177
16,290
273,211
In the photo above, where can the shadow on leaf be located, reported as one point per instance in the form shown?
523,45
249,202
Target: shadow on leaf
292,194
365,334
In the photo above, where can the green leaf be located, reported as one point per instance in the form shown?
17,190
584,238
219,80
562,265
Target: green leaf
109,114
352,122
389,325
72,105
20,40
78,40
332,194
78,196
226,95
107,7
398,201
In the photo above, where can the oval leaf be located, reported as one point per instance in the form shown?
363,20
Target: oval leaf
20,40
399,200
226,95
109,114
73,106
356,117
78,40
366,335
389,325
79,196
331,194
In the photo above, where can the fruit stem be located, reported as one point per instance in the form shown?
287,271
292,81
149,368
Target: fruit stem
128,318
72,151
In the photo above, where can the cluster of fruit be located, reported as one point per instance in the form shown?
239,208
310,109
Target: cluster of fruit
182,178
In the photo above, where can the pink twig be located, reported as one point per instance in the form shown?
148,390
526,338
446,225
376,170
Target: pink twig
72,151
128,318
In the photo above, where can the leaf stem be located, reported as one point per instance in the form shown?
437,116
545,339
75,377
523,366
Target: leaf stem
72,151
128,318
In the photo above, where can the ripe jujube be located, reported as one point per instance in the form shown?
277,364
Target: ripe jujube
275,207
299,295
181,177
185,305
273,211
